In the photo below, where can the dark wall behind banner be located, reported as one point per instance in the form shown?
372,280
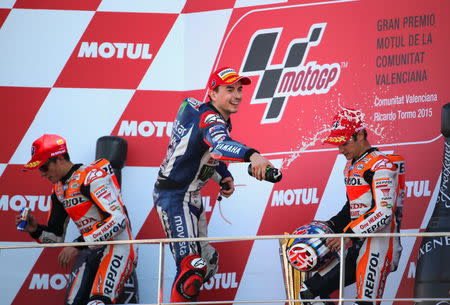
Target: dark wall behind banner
87,70
433,272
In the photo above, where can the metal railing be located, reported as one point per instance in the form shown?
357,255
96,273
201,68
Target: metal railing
164,241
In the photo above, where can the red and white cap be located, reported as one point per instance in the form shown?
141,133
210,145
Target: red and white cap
346,123
226,76
45,147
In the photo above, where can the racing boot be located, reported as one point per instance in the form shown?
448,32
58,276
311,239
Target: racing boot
187,285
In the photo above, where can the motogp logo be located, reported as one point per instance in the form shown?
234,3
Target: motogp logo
291,78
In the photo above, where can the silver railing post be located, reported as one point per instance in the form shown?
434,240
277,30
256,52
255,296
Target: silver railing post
161,273
342,270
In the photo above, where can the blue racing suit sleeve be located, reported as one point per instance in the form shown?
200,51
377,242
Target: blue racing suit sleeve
221,172
221,145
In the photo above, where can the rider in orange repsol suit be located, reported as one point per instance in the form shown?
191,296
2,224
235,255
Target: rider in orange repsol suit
375,191
90,196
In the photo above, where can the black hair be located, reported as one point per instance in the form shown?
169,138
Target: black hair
53,159
216,89
356,134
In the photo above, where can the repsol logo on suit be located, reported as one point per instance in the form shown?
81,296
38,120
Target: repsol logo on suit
70,202
372,274
352,181
111,277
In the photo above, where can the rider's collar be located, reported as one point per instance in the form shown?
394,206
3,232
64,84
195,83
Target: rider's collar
69,174
210,105
372,149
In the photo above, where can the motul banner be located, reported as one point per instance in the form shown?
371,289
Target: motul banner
86,69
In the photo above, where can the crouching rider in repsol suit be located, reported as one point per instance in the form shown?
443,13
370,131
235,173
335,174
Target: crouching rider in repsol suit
199,144
90,196
375,189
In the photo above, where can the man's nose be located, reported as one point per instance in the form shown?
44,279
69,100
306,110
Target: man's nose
341,149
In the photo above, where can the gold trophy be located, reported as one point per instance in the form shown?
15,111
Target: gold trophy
301,257
293,278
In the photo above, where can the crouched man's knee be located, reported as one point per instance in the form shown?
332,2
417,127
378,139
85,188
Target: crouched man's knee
187,285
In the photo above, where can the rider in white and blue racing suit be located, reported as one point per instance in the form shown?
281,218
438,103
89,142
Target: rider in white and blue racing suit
199,144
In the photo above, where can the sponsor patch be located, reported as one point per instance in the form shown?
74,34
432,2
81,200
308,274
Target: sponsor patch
385,204
209,118
385,191
383,183
218,138
93,175
108,197
226,73
229,148
383,163
32,164
101,191
194,103
198,263
352,181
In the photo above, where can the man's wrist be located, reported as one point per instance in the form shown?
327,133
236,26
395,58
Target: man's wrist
37,232
32,229
249,154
